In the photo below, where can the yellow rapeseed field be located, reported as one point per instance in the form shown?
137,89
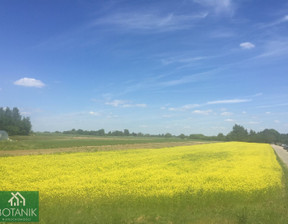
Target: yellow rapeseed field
146,172
246,168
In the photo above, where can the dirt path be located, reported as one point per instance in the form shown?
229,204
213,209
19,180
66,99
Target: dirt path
282,153
95,148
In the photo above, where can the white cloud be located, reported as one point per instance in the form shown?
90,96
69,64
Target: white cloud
204,112
29,82
184,108
124,104
277,121
115,103
25,113
247,45
254,122
111,116
94,113
218,6
135,105
230,120
226,113
192,106
228,101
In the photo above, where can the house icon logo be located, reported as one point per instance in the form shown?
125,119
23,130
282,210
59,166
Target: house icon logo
19,206
17,200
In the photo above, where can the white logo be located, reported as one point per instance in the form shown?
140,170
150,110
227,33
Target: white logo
17,199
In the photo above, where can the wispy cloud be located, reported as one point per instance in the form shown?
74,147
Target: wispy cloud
274,48
203,112
273,105
226,113
253,122
188,107
247,45
283,19
186,79
150,21
257,94
181,60
218,6
29,82
229,101
183,108
229,120
93,113
222,34
124,104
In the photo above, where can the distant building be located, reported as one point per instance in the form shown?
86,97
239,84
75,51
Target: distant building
3,135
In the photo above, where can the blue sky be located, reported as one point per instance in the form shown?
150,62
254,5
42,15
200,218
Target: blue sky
191,66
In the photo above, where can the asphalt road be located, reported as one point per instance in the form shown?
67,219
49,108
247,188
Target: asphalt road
282,153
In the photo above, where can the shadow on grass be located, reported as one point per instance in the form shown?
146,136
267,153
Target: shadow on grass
222,207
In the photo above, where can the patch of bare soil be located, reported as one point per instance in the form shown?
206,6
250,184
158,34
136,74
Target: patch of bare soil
96,148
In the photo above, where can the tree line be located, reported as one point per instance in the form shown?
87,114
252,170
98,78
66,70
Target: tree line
13,123
238,133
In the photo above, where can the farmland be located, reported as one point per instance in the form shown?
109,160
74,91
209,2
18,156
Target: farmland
209,183
56,141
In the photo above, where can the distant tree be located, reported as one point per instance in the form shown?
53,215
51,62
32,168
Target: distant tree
269,136
101,132
182,136
117,133
220,137
140,134
25,126
253,136
168,135
197,136
126,132
238,133
284,138
134,134
13,123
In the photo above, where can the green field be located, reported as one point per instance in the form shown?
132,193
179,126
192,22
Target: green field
48,141
209,183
